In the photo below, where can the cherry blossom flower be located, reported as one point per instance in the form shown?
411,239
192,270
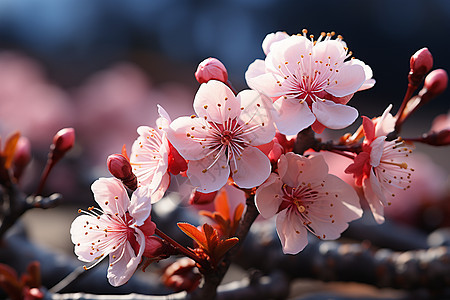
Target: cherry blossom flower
118,229
221,138
304,197
381,169
152,157
309,81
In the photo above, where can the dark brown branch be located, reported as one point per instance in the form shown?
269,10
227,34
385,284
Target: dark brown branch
333,261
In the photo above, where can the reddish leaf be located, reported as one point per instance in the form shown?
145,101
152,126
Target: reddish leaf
124,151
10,147
194,233
221,204
238,212
223,247
212,238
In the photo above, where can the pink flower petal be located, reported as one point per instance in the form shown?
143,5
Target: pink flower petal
256,117
215,101
208,176
349,79
292,233
188,141
289,50
266,83
83,242
332,115
140,206
251,169
373,200
161,190
331,51
377,151
292,116
273,38
111,195
123,266
311,169
386,123
331,215
268,196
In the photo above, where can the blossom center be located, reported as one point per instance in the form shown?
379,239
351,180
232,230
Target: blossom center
227,137
299,198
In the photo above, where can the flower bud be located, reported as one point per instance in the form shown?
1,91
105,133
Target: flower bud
22,156
64,140
435,84
420,64
182,275
202,198
120,167
211,69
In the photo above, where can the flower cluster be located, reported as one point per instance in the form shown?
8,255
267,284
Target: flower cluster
240,139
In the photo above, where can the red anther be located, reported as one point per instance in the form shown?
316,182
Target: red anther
211,69
421,63
120,167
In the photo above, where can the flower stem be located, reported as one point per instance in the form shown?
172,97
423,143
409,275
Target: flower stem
179,247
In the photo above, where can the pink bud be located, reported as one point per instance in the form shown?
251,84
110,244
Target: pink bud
211,69
202,198
182,275
421,63
22,156
120,167
64,140
435,83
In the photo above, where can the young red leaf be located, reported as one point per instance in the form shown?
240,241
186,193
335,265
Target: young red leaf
221,204
224,246
194,233
10,147
238,212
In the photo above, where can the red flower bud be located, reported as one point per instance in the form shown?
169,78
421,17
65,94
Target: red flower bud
421,63
64,140
182,275
120,167
22,156
211,69
202,198
435,84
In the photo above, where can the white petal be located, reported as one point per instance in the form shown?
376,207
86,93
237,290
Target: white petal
159,193
164,120
268,196
189,142
292,233
386,123
273,38
333,115
251,169
289,50
302,169
267,83
349,80
111,195
121,270
215,176
256,117
377,151
140,206
215,101
372,193
292,116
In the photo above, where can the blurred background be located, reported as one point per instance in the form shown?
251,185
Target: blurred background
102,66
